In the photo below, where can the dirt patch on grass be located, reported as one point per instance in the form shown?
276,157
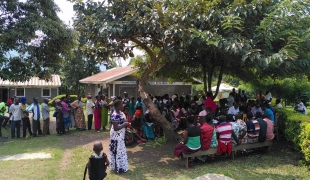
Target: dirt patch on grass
65,161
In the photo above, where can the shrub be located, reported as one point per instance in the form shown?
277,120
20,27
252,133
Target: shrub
296,128
73,98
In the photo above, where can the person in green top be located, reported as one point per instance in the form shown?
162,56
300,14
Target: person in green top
104,112
2,117
132,109
191,139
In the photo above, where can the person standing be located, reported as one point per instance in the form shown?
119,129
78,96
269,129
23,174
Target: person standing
6,120
132,107
209,103
78,105
3,118
118,154
97,114
25,118
104,111
35,109
66,113
60,129
16,115
46,117
89,111
71,112
126,100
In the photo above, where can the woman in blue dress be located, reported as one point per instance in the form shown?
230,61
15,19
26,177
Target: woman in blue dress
118,154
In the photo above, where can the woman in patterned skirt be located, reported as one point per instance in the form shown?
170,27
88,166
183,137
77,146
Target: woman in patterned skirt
118,154
79,114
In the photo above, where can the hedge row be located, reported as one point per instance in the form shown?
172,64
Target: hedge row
72,97
296,128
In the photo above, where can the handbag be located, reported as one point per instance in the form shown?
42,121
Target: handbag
55,114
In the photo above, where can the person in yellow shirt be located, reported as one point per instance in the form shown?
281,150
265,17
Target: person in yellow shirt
2,118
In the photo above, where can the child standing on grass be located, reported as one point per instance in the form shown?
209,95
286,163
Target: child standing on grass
224,133
98,162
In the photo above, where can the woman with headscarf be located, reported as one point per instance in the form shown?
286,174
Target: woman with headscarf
97,114
79,117
104,112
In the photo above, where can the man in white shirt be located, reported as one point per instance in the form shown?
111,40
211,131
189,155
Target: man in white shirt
16,117
234,109
230,100
89,111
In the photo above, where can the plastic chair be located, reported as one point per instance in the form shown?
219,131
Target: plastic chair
97,168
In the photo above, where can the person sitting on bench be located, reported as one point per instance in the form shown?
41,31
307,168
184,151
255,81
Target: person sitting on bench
224,132
191,142
97,164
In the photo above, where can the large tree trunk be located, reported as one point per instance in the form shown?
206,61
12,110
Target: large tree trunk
156,115
219,80
204,71
210,74
163,123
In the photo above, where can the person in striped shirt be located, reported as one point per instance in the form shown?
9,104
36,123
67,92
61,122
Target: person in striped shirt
224,132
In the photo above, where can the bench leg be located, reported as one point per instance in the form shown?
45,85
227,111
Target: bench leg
184,162
269,149
233,155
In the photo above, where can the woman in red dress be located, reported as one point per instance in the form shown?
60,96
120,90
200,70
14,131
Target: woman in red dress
97,114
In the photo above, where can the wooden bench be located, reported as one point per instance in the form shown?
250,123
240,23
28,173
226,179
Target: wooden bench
213,151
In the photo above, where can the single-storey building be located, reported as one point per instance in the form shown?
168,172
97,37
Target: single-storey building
116,81
35,87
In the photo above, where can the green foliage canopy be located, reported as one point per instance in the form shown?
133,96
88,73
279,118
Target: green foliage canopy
32,39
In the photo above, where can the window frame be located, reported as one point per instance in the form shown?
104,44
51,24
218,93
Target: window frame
20,88
50,92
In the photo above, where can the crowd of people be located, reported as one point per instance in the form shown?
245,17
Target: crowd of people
204,123
223,128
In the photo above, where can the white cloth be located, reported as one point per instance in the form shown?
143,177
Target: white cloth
230,101
279,105
232,110
89,107
16,112
268,96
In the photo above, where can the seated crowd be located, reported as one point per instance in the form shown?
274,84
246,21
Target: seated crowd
242,123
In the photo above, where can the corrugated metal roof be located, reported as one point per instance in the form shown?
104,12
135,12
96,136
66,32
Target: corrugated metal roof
34,81
109,75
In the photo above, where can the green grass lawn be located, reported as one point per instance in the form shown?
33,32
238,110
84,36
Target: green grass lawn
146,161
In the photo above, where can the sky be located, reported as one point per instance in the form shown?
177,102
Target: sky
67,14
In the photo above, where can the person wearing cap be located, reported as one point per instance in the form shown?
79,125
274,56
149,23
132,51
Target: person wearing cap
16,117
89,111
46,117
25,118
35,109
3,118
